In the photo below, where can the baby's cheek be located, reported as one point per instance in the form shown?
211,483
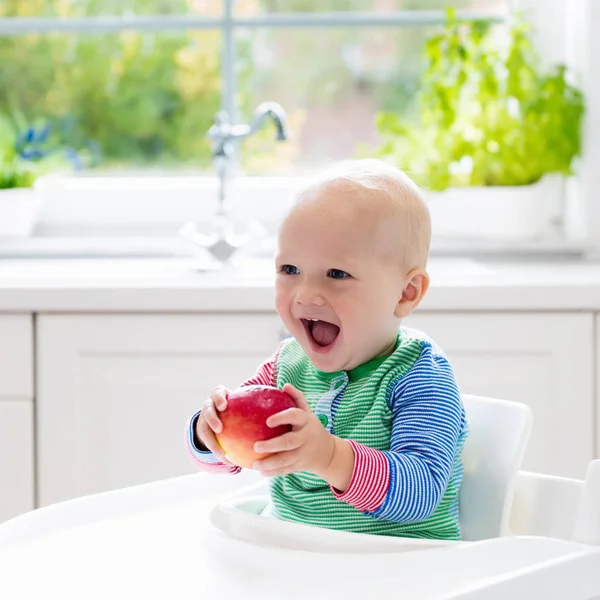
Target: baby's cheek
365,321
282,303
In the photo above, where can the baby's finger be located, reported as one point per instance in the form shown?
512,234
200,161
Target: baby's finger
282,443
210,416
277,464
219,398
292,416
297,395
207,437
280,471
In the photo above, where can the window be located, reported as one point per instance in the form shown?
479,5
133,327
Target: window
136,83
133,86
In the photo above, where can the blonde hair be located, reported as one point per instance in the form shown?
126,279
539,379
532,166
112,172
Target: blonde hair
391,189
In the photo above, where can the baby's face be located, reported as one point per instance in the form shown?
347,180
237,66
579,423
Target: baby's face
335,291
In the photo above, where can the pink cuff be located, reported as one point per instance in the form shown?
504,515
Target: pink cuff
370,479
215,467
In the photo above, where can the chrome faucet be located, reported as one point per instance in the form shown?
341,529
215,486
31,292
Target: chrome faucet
224,241
224,135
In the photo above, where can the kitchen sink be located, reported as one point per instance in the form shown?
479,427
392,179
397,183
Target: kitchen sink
444,262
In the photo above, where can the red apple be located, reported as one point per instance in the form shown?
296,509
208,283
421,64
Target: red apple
245,421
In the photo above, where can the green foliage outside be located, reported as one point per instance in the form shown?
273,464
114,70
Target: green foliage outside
484,116
141,98
487,115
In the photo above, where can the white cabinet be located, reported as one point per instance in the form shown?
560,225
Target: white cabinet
115,391
16,415
543,360
16,458
16,356
597,386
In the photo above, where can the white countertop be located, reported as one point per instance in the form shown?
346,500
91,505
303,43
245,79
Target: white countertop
174,285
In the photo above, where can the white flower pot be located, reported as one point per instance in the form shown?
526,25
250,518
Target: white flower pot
500,213
19,208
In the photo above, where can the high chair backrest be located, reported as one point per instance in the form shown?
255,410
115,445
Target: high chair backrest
492,457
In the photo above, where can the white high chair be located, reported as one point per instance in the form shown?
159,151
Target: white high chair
527,536
493,452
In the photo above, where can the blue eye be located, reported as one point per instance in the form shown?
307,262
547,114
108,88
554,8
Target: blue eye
338,274
290,270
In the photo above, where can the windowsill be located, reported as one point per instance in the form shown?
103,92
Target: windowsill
156,207
152,205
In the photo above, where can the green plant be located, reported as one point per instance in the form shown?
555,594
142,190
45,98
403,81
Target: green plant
26,152
487,116
15,171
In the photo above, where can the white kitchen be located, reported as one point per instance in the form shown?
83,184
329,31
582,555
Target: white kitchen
148,153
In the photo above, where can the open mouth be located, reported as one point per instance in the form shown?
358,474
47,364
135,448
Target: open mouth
321,334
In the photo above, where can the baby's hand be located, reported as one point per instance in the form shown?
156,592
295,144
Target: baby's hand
209,423
308,447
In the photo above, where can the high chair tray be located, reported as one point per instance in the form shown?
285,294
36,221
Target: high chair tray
243,517
165,540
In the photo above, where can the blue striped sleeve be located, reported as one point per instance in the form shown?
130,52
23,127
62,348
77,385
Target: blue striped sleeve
428,420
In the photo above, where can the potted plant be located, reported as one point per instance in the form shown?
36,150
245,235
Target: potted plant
495,136
27,153
18,201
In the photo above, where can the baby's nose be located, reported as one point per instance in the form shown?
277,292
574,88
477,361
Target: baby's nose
310,295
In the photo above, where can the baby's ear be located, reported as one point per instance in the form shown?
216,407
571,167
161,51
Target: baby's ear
417,284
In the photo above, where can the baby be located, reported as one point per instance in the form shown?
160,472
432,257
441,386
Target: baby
379,427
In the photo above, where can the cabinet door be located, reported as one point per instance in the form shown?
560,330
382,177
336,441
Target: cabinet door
16,458
115,392
543,360
16,415
597,389
16,356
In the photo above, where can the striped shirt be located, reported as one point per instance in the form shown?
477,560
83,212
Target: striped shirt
404,418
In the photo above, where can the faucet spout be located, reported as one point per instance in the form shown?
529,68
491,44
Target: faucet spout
275,112
223,133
